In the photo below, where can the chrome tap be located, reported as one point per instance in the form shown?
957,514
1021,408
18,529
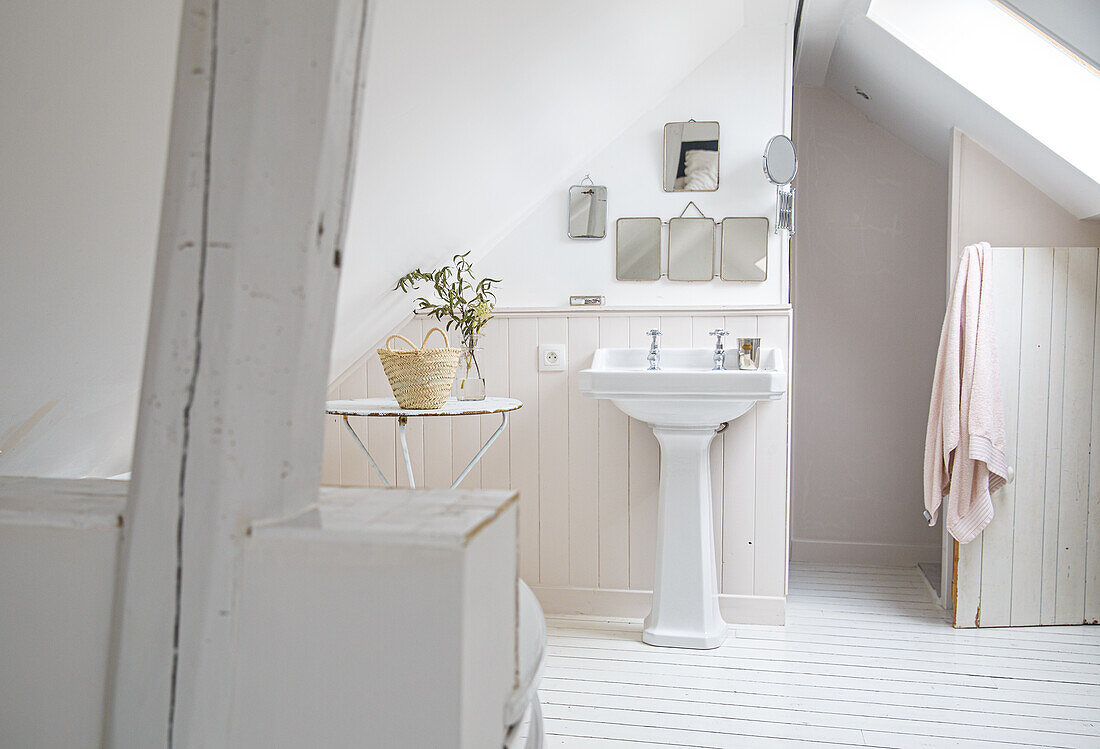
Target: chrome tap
719,350
654,357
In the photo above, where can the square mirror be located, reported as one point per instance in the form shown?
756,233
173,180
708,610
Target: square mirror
744,249
691,249
587,212
638,249
691,156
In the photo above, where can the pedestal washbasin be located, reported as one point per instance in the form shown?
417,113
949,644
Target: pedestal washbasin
685,402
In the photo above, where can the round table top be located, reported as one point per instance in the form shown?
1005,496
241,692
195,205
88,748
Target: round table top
389,407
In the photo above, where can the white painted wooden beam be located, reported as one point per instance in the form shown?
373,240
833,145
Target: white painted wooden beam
261,152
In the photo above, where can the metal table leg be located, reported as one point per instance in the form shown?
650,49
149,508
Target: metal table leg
370,458
481,452
402,422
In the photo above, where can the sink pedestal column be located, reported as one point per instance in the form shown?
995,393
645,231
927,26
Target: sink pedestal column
685,582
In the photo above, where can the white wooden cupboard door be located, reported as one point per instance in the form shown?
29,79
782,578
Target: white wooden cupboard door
1037,562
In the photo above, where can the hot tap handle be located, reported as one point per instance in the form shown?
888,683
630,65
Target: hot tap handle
719,334
653,334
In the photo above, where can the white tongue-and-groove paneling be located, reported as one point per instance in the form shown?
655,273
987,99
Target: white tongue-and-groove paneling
1037,562
587,474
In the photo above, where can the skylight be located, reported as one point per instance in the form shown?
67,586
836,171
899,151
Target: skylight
1011,66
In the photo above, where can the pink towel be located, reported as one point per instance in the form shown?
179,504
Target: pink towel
964,452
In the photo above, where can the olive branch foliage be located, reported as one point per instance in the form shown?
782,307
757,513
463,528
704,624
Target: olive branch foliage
464,302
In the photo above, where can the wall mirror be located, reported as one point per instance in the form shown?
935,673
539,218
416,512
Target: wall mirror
587,211
744,249
780,167
638,249
691,156
780,160
691,249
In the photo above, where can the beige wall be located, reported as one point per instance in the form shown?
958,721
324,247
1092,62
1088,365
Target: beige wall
869,263
997,205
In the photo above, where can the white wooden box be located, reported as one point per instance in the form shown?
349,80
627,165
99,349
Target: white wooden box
379,618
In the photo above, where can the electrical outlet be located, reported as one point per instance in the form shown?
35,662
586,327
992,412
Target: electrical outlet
552,357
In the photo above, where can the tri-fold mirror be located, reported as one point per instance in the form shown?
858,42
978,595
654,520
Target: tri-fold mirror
691,249
744,249
638,249
691,156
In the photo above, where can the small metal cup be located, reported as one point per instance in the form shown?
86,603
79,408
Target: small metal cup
748,353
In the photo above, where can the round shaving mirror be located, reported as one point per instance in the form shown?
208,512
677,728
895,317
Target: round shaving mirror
780,161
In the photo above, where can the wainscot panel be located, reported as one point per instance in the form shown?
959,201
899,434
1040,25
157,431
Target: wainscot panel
587,474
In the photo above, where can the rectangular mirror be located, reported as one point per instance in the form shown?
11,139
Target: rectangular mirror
587,212
691,249
691,156
638,249
744,249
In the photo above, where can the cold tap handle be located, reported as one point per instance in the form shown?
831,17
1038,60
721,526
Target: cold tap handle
719,349
654,356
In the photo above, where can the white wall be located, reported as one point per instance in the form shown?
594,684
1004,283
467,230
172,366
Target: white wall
869,263
742,86
85,93
475,113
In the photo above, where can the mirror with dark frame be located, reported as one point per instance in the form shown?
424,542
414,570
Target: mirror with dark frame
691,157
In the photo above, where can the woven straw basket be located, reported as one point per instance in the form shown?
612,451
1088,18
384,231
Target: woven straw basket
421,378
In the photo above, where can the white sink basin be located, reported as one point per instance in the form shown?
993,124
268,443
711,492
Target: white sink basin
685,391
684,401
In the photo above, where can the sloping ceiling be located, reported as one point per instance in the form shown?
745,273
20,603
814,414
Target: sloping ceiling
474,112
85,101
840,47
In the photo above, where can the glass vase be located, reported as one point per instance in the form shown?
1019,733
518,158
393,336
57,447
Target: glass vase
469,384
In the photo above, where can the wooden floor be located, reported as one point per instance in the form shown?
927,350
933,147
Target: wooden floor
865,660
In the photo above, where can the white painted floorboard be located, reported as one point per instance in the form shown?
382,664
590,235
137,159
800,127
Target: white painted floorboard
866,659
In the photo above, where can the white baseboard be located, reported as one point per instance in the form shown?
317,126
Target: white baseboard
854,552
635,604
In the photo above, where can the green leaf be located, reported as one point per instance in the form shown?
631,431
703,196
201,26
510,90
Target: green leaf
460,295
